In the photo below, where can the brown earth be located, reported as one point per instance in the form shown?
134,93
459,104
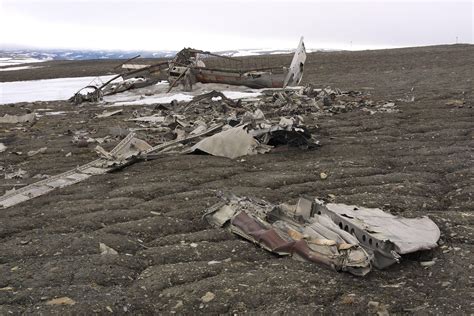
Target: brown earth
416,162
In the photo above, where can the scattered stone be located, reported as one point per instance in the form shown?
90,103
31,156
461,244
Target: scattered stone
14,119
323,176
178,305
106,250
209,296
427,263
377,308
19,174
61,301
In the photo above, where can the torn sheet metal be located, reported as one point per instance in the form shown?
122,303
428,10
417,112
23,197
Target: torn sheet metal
255,137
128,151
344,237
295,72
278,230
386,235
231,143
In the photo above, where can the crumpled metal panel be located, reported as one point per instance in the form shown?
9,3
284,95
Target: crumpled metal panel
277,230
231,143
386,235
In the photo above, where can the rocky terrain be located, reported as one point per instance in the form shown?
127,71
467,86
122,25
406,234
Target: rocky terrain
415,162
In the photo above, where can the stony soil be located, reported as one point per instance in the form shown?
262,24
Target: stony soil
416,162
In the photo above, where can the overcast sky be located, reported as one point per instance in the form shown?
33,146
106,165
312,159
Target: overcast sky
219,25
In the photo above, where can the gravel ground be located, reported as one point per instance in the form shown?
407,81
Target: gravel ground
415,162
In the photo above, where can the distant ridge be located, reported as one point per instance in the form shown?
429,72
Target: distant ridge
58,54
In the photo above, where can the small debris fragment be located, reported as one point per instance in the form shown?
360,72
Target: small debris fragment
323,176
38,151
456,103
2,147
6,288
109,113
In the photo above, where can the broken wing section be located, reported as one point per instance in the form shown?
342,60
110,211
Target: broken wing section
295,72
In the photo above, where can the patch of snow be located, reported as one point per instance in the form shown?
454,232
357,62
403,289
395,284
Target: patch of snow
10,61
44,90
156,94
241,94
56,113
18,68
156,99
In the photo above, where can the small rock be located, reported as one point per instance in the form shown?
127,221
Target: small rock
178,305
209,296
378,308
109,309
445,284
35,152
106,250
61,301
213,262
193,244
323,175
69,154
427,263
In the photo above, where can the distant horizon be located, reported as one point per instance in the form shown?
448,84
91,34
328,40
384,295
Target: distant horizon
12,48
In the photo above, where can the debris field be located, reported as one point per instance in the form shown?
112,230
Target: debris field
388,129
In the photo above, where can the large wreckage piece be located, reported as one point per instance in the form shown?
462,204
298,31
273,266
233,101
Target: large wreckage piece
124,151
385,235
279,230
251,139
343,237
187,68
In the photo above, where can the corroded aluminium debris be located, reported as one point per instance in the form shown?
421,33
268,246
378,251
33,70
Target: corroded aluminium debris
343,237
188,67
280,230
385,235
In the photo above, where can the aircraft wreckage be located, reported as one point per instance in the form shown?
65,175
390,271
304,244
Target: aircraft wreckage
342,237
189,67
